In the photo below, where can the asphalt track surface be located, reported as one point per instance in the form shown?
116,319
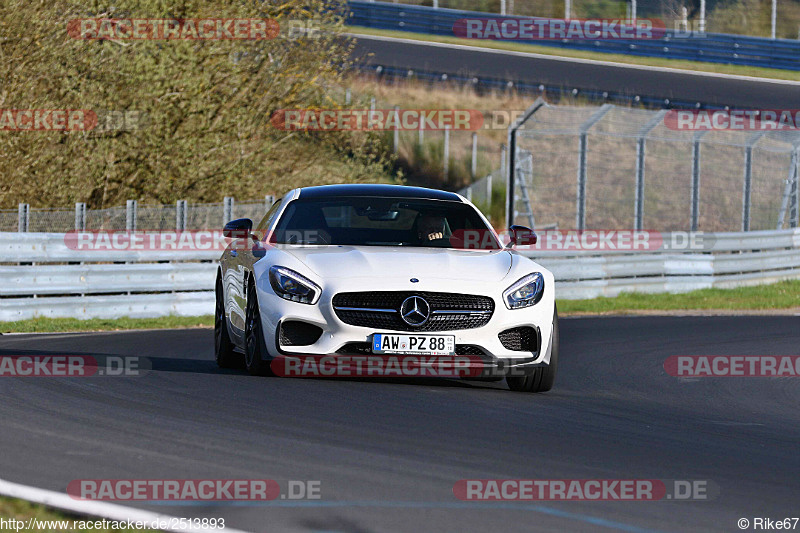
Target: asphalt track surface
561,72
387,454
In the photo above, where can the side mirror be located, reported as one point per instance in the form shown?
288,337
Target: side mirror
521,236
238,229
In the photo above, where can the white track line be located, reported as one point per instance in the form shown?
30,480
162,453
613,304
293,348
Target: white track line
110,511
575,59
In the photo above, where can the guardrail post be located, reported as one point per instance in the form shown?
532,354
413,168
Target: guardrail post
227,209
421,133
348,96
489,191
80,216
181,215
696,180
130,215
23,217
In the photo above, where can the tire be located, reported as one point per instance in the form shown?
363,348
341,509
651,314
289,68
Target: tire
223,346
542,378
255,350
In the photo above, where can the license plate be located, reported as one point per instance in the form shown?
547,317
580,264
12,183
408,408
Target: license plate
414,344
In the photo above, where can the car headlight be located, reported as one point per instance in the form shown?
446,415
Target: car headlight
290,285
525,292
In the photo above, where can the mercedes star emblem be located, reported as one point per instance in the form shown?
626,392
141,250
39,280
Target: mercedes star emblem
415,311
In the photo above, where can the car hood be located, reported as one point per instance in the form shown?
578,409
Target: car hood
392,262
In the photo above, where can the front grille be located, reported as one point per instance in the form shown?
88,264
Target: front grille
294,333
365,348
523,339
381,310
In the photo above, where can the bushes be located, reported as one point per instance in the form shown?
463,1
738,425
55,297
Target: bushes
206,103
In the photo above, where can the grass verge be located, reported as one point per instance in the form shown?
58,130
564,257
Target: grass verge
13,508
719,68
782,295
53,325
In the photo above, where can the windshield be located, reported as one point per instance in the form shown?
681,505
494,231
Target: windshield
380,221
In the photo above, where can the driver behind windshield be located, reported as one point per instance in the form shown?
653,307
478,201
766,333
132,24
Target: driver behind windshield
431,228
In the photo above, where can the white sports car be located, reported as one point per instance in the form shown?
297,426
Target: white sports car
384,269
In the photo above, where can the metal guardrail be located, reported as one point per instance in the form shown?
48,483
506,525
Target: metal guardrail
706,47
140,284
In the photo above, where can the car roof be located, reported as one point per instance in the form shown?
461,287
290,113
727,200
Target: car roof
389,191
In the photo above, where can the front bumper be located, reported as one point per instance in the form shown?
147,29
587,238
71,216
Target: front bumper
338,338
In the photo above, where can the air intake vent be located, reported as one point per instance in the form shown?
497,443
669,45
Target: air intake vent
294,333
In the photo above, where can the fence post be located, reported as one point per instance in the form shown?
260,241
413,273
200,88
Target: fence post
794,211
421,133
504,162
639,210
227,209
446,157
788,198
474,167
489,190
640,161
23,217
181,215
696,180
396,132
583,146
747,187
348,96
268,201
80,216
130,215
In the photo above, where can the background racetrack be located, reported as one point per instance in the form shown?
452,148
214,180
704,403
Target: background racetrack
676,85
388,453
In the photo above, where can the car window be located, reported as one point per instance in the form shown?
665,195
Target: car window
382,221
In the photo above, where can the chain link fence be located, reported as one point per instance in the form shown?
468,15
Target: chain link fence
181,216
608,167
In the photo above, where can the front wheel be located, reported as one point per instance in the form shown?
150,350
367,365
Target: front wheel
542,378
223,346
255,351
